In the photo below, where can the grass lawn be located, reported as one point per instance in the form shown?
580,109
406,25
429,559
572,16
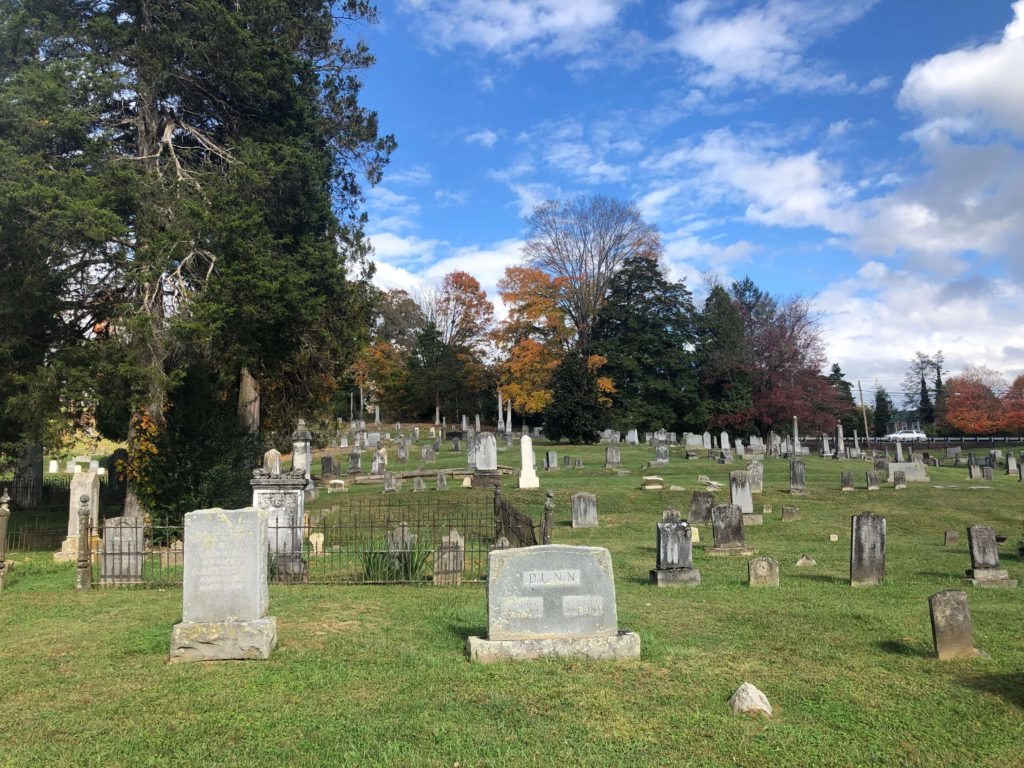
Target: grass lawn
377,675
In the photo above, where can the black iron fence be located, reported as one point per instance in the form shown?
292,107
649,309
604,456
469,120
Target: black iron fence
438,538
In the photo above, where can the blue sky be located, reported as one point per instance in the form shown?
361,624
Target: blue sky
867,153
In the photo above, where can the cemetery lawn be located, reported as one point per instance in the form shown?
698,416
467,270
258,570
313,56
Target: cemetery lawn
377,676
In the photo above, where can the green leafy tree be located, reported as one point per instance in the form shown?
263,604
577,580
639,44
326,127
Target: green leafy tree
847,412
723,363
645,330
576,410
884,409
926,409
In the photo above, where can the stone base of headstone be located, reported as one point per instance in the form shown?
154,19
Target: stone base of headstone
223,640
653,483
991,577
486,480
529,480
675,577
725,551
753,520
68,551
622,646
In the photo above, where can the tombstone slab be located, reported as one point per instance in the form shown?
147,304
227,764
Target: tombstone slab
797,478
551,601
122,551
739,489
985,570
867,550
763,572
727,531
675,554
84,483
584,510
225,597
952,632
700,507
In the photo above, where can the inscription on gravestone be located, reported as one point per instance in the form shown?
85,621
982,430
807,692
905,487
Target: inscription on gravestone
867,549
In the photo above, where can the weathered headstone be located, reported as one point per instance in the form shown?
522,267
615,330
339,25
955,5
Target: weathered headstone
225,588
282,498
985,570
122,551
846,481
584,510
951,539
797,477
85,483
550,460
450,559
612,457
528,472
485,474
442,481
872,480
739,489
899,480
763,572
700,507
652,483
661,455
952,632
675,555
727,531
355,463
632,438
790,514
755,475
867,550
419,485
551,601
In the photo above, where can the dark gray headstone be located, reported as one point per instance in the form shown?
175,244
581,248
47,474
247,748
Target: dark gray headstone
951,625
727,526
584,510
983,546
674,545
122,552
867,549
700,507
797,477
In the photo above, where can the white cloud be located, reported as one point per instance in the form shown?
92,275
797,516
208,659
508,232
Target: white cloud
450,198
515,27
485,138
485,83
529,196
416,176
973,90
763,44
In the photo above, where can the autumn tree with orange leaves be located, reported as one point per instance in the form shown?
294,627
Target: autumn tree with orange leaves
972,405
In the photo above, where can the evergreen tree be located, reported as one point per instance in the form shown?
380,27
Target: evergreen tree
723,363
847,415
575,411
645,330
925,411
884,409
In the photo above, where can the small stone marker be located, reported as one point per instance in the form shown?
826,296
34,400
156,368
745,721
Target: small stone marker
225,588
450,559
952,538
899,481
739,489
442,481
790,514
973,472
612,457
846,481
755,475
867,550
418,485
833,537
584,510
797,477
951,625
805,561
986,473
551,601
872,480
985,570
700,507
727,530
550,460
660,455
652,483
316,540
753,520
675,555
748,700
763,572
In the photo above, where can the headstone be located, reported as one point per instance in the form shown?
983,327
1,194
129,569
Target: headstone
825,449
225,588
612,457
790,514
550,460
390,482
418,485
846,481
951,539
302,452
867,550
797,481
631,438
1011,464
403,453
952,632
551,601
652,483
706,440
476,420
85,483
486,453
528,472
450,559
805,561
670,515
566,462
700,507
584,510
355,463
763,572
755,474
986,473
282,499
442,481
727,530
872,480
739,488
577,463
899,451
899,481
985,570
456,445
675,555
661,455
122,551
316,541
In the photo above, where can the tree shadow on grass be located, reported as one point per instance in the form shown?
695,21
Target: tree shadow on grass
823,577
900,648
1008,687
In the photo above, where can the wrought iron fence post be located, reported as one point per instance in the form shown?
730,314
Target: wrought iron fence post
5,514
545,525
83,573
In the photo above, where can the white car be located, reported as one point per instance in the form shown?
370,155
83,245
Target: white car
906,435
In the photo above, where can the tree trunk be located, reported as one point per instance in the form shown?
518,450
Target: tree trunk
248,403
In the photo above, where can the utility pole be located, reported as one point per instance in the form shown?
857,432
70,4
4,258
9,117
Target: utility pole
863,410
